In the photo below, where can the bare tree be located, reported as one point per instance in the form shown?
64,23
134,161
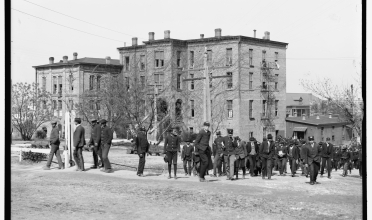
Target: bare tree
31,107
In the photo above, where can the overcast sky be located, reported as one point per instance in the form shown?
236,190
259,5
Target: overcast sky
324,36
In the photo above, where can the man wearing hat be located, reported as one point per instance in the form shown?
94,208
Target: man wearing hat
240,155
345,159
186,157
303,154
79,142
281,152
327,157
228,145
54,147
202,146
171,148
218,154
267,151
95,141
142,147
252,150
45,130
106,139
293,155
312,159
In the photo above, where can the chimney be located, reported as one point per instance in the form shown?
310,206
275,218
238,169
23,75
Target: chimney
65,58
317,116
330,115
166,34
108,60
51,60
217,32
75,56
151,36
303,117
201,36
254,33
134,41
267,35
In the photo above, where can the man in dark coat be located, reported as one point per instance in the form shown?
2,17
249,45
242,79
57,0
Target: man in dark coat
54,147
186,157
171,148
327,157
217,154
267,151
240,155
360,161
229,147
303,153
79,142
252,151
142,147
202,146
336,157
312,159
345,159
281,153
195,160
95,142
106,139
293,155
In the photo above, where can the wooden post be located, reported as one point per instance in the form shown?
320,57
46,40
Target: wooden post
67,138
20,155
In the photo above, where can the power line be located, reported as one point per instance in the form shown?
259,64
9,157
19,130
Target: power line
67,26
80,19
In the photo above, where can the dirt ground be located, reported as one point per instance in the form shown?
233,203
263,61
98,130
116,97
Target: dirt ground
66,194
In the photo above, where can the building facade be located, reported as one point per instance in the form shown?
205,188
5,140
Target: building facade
301,103
320,127
68,79
248,89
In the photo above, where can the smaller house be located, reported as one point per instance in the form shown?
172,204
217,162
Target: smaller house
320,127
300,103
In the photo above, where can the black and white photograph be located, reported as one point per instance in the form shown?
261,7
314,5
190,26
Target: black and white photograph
175,109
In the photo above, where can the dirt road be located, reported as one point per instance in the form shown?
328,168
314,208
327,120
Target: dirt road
66,194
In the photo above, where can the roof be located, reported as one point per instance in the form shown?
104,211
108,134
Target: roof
302,129
85,60
292,99
209,39
323,120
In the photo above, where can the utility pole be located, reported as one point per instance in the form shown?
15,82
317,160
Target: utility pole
156,113
207,92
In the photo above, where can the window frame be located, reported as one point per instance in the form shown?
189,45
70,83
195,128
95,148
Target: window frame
229,81
178,61
159,60
192,108
229,57
250,105
276,108
250,57
192,82
191,59
250,85
142,63
230,114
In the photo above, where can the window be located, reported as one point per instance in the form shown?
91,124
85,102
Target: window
71,82
250,80
276,56
251,134
127,82
98,105
54,85
178,58
229,108
276,85
159,79
209,56
276,107
98,82
126,63
159,59
191,59
191,129
44,83
263,107
192,108
322,138
264,55
178,81
264,131
333,138
264,87
142,62
60,84
229,80
71,104
142,78
192,85
91,82
250,57
321,130
250,108
54,104
228,56
59,104
333,128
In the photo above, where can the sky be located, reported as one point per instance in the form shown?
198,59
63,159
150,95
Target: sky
324,37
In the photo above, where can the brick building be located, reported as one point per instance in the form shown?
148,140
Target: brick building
244,99
320,127
68,79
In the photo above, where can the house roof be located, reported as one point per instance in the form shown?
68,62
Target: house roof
85,60
292,99
323,120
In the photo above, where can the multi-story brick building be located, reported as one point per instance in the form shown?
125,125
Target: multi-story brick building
244,99
68,79
320,127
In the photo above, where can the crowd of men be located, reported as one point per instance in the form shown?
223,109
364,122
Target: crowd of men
230,154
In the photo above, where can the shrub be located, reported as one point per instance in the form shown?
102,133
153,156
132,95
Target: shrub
40,134
34,157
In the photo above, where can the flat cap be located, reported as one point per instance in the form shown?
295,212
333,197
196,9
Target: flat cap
93,120
230,132
77,120
311,138
252,139
102,121
206,124
218,133
269,136
53,122
328,139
